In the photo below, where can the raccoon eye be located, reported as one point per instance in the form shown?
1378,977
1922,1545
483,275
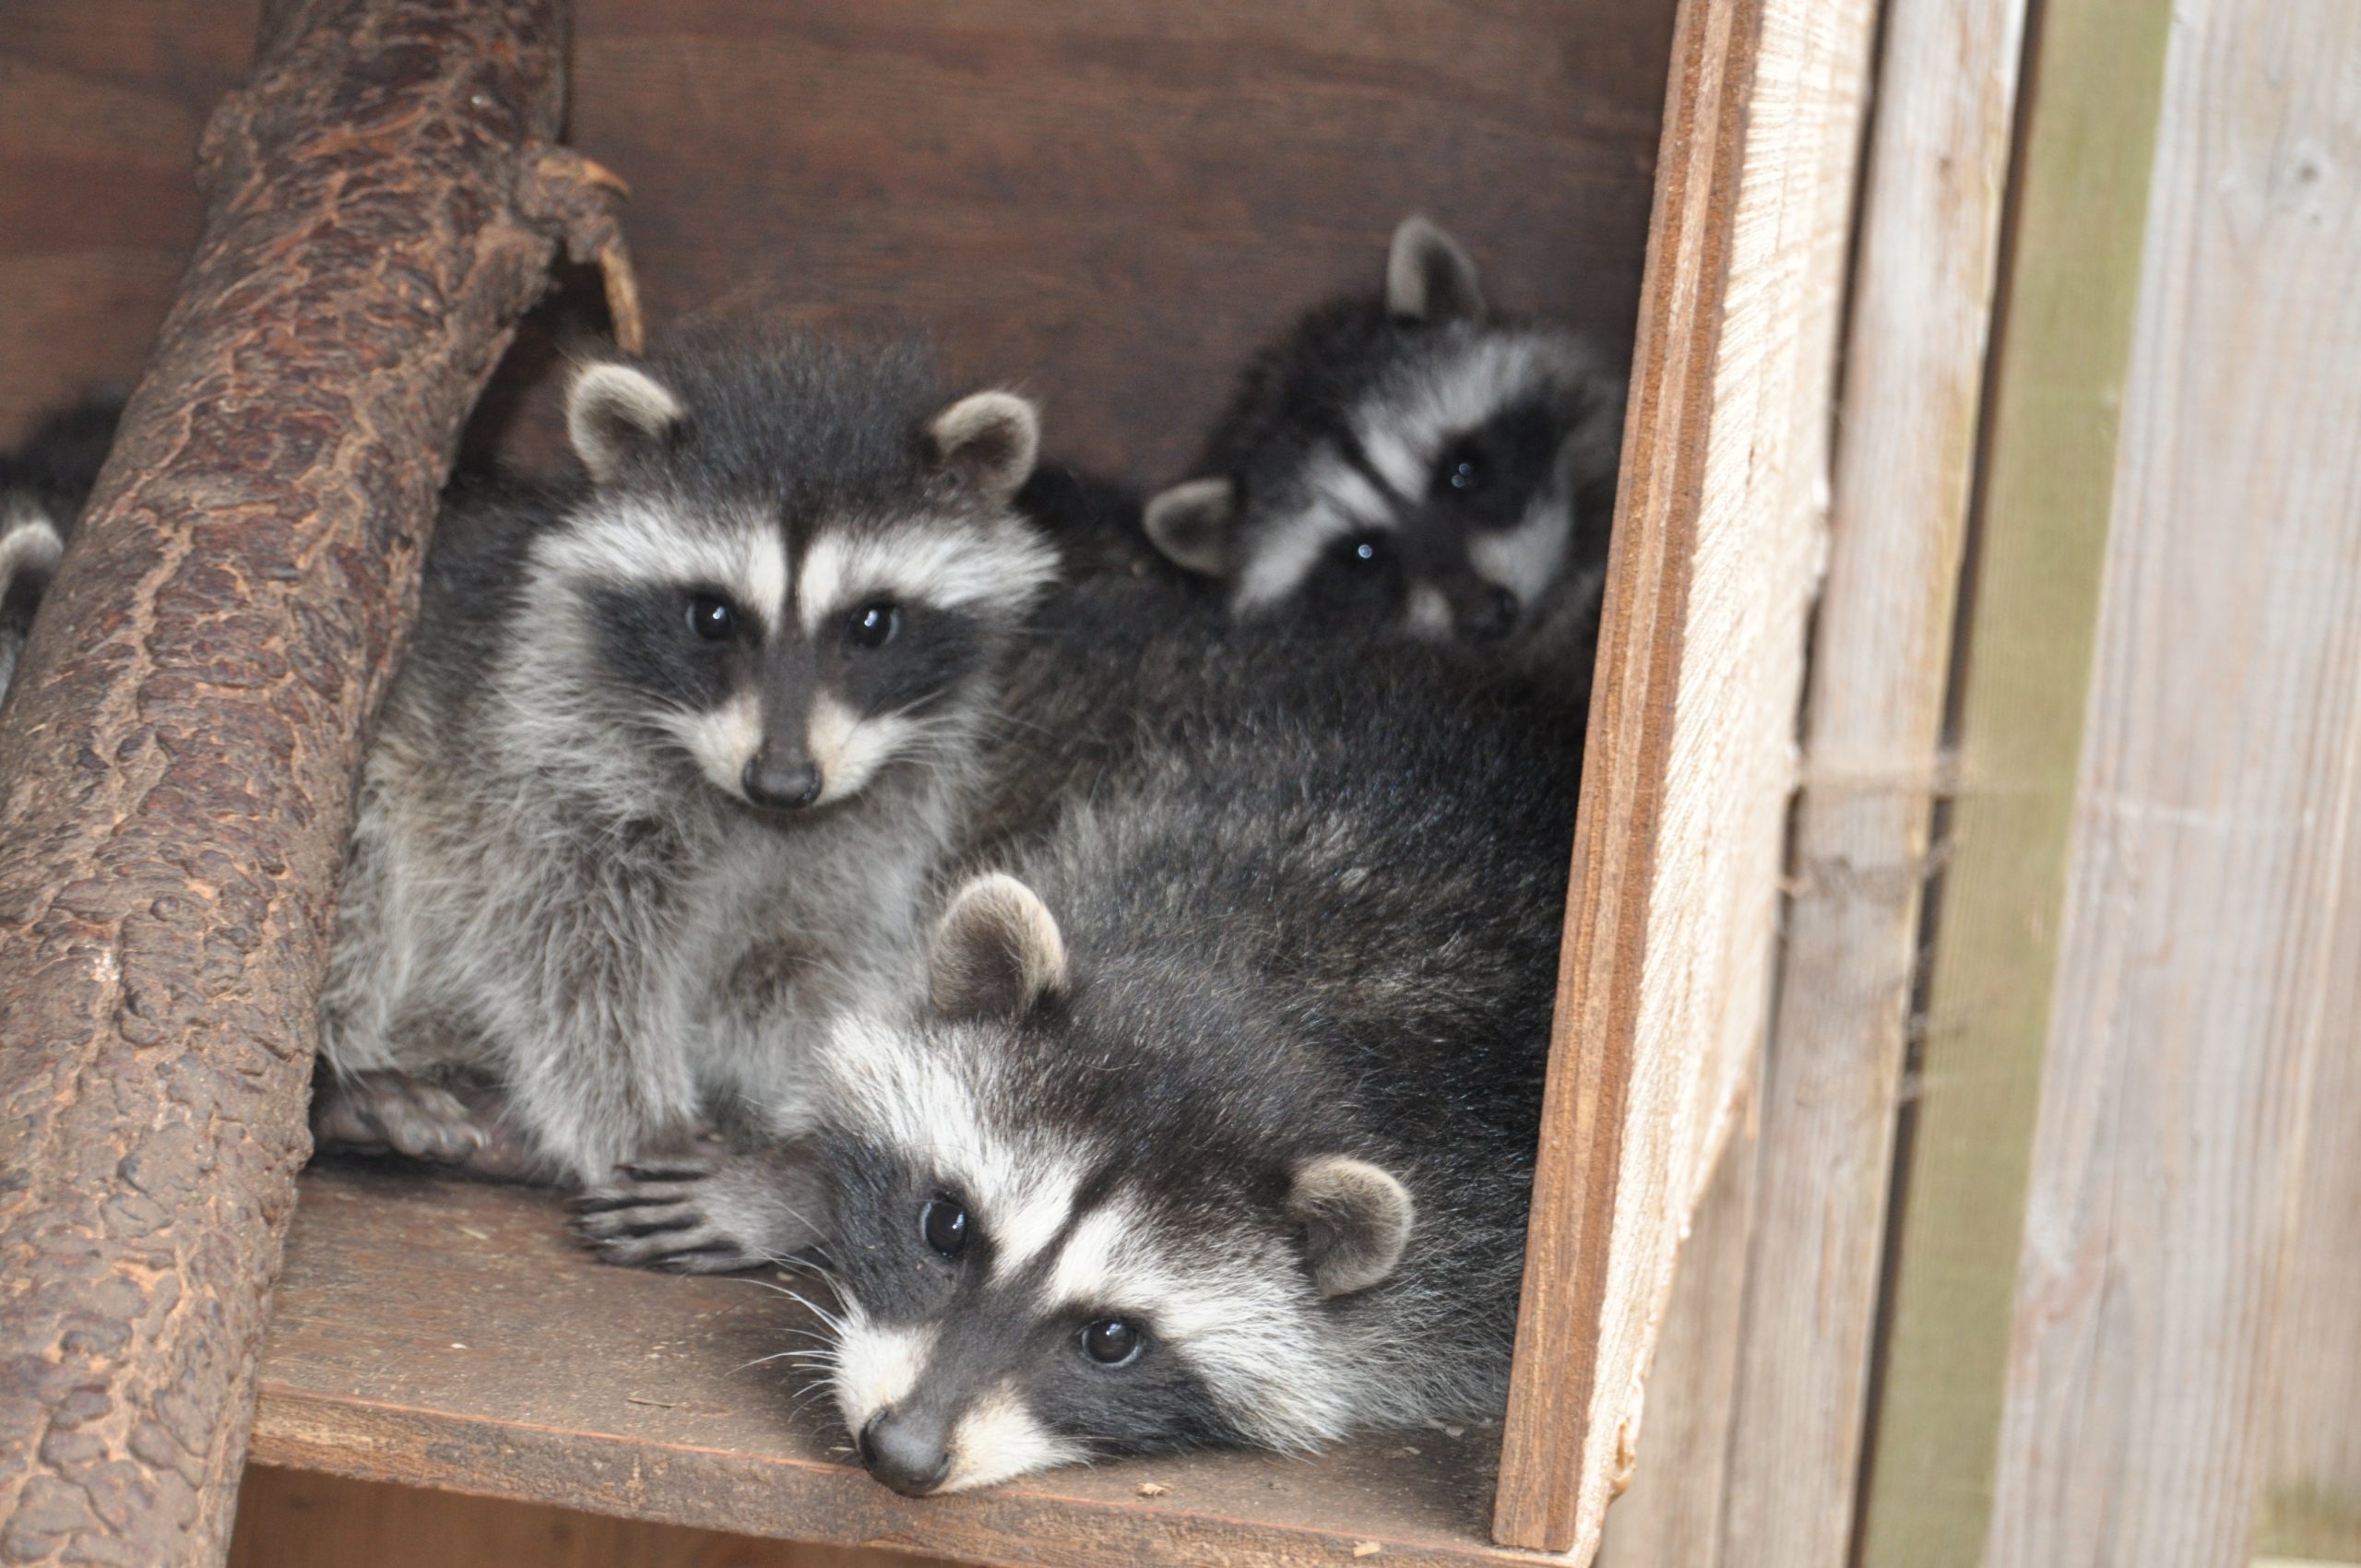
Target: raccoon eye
711,618
874,626
944,1225
1366,550
1111,1341
1462,471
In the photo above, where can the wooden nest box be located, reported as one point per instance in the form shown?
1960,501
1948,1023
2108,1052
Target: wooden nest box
1109,203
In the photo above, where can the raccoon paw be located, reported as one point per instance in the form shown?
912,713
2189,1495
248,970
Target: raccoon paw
385,1113
702,1213
460,1124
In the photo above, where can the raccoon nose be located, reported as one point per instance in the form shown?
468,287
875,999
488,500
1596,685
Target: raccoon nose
786,784
1487,614
903,1455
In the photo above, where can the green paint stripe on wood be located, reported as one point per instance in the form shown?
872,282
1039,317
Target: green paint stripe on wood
2093,89
2308,1521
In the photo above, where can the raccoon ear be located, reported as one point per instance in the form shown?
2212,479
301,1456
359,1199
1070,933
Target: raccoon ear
615,412
1356,1220
30,547
1429,277
988,440
996,952
1191,523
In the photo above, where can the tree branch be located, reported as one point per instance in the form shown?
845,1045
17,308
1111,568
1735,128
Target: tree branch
176,761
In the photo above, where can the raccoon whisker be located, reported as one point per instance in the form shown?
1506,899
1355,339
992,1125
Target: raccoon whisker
833,1320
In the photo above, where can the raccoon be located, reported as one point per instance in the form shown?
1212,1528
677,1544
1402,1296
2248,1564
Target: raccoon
1216,1124
1411,463
663,777
43,489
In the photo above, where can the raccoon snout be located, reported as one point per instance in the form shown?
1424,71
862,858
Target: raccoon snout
906,1454
1485,614
781,783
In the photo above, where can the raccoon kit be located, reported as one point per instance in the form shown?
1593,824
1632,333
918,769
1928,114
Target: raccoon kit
1413,463
42,490
673,753
1217,1124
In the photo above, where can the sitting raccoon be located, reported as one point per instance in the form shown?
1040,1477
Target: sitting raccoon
43,487
672,755
1218,1125
1413,463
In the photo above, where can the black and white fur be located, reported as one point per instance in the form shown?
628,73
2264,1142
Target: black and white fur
1412,462
1229,1070
674,751
43,487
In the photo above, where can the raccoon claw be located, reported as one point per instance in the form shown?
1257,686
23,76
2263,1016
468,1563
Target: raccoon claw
686,1168
692,1213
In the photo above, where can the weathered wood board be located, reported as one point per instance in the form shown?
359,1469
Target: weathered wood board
2061,346
1920,314
2208,949
1720,528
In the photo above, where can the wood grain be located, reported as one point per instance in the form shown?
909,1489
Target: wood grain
2064,339
1880,667
2311,1499
1673,1512
1108,204
295,1519
453,1336
2205,947
100,105
177,754
1677,857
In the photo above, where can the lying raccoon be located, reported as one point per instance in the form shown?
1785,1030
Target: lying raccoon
673,755
1218,1124
43,489
1415,463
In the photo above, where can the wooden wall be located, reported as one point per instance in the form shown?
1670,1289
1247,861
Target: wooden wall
1106,202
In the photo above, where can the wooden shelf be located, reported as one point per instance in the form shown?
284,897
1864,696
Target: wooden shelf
450,1336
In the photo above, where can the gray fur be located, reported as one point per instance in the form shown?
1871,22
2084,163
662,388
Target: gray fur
1278,1103
558,879
43,487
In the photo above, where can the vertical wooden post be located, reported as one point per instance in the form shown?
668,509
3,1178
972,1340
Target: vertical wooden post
1719,527
2064,341
2206,938
177,758
1921,307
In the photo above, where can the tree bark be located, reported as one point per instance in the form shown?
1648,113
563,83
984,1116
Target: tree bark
177,760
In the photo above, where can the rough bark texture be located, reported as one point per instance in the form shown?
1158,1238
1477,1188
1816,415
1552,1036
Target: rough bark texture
176,762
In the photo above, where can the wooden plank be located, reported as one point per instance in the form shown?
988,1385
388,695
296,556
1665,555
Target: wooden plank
1109,202
1112,202
2064,339
1676,856
451,1336
1880,667
2311,1500
2203,959
100,105
299,1519
1672,1514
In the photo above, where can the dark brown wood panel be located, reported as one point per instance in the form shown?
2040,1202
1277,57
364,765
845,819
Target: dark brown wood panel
449,1335
100,105
1107,204
303,1519
1110,203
